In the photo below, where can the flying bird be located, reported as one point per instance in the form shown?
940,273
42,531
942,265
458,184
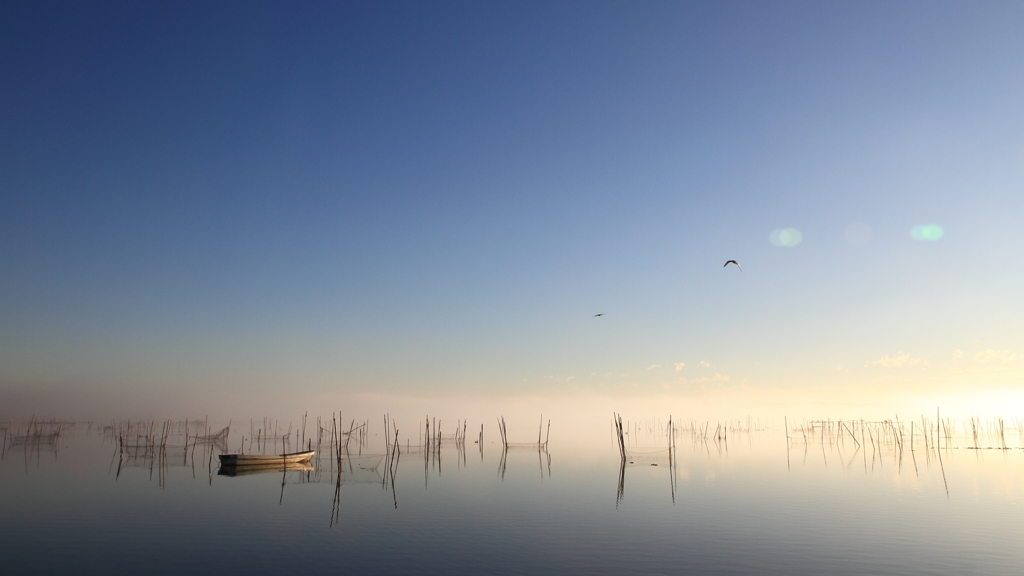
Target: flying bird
727,262
601,314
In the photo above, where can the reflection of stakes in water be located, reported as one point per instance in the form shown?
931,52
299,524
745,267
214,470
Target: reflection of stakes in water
786,424
849,463
652,455
356,466
620,493
620,435
139,444
435,445
542,455
392,454
823,457
284,479
943,469
864,444
461,447
38,436
671,458
541,446
432,440
540,464
838,445
336,505
480,442
897,437
888,439
913,457
396,456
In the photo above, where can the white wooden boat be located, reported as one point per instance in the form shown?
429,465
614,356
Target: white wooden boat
261,460
248,469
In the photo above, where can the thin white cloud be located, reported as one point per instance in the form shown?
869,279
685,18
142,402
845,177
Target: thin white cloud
899,361
705,364
958,354
716,378
653,366
680,366
990,355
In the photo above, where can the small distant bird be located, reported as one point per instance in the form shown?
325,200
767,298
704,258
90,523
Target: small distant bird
727,262
601,314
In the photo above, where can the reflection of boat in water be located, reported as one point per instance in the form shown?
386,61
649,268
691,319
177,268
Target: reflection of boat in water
263,468
260,460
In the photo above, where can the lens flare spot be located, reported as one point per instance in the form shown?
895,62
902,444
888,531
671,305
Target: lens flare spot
857,234
927,232
788,237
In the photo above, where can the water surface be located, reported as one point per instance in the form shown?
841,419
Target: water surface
737,502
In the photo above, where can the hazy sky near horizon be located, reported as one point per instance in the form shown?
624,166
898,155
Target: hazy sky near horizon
388,197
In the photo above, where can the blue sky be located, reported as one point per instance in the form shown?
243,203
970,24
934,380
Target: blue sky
426,198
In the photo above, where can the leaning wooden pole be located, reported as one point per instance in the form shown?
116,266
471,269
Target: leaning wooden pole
617,420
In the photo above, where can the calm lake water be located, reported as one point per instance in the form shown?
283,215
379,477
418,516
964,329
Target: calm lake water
842,499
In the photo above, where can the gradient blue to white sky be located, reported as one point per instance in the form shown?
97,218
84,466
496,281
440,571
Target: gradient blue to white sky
300,199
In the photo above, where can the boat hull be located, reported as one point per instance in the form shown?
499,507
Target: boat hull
247,470
260,460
